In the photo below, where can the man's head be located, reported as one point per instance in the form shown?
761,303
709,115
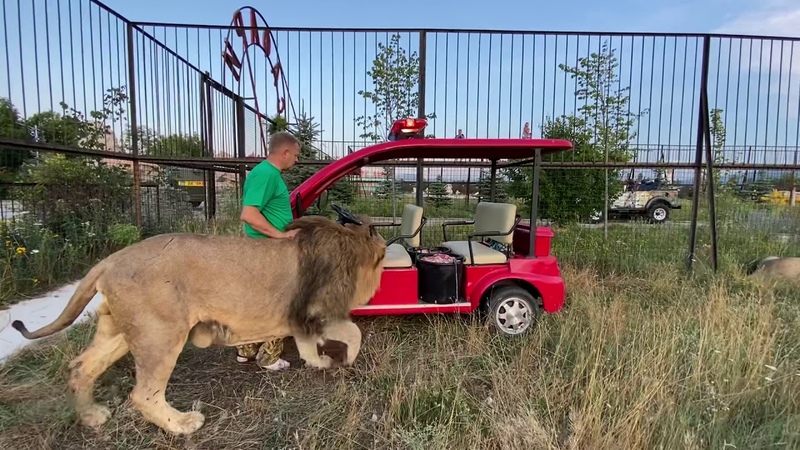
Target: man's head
283,150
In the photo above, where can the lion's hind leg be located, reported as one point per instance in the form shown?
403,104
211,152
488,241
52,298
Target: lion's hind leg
108,346
156,355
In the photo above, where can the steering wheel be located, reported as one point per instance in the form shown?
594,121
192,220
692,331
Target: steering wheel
345,216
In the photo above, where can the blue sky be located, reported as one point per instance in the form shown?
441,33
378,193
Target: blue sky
522,83
578,15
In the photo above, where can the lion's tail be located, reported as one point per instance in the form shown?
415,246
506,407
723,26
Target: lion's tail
82,296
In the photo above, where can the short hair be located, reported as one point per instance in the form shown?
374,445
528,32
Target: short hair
280,140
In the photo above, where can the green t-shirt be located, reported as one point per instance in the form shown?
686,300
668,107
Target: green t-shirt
265,189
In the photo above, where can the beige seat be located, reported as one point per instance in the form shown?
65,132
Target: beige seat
396,256
410,227
492,220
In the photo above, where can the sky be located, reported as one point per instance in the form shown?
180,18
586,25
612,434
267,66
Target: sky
772,17
756,83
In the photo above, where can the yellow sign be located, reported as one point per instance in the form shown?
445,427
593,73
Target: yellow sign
191,183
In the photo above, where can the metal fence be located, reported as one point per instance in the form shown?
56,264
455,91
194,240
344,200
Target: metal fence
196,102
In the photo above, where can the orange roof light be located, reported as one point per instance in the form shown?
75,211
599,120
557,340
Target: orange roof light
407,129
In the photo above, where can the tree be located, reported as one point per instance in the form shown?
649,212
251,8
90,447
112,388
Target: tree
602,130
55,128
395,95
717,131
387,188
177,145
485,188
571,195
605,109
71,191
71,128
11,127
307,132
437,193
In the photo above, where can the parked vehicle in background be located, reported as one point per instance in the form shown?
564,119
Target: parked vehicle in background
192,181
652,199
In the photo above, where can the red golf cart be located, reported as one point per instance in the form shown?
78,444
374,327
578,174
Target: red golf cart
497,270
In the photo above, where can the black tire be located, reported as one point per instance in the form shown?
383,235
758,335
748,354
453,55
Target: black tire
658,213
528,308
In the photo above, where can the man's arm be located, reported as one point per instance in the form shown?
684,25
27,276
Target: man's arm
253,217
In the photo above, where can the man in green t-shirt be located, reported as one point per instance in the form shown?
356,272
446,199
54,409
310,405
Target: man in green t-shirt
266,210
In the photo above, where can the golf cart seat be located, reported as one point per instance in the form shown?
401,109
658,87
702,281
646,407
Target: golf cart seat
494,221
410,227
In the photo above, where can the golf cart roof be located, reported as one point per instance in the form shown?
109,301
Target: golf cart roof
492,149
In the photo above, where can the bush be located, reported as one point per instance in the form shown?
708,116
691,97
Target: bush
70,191
121,234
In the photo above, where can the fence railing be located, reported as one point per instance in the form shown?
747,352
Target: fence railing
484,83
78,77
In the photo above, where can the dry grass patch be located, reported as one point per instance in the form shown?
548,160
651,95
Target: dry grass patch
632,362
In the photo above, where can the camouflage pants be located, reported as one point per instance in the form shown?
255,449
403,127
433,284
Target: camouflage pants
265,354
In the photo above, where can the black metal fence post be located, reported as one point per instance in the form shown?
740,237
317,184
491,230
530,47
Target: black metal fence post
537,169
137,172
698,163
240,142
712,204
211,193
421,106
493,180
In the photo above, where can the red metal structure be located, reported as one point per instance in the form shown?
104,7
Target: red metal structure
512,285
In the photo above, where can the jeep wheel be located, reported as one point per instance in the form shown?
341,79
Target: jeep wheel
513,310
658,213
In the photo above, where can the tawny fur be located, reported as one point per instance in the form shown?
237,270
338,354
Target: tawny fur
216,290
776,268
306,310
341,341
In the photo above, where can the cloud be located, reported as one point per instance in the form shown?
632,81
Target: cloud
776,57
778,18
768,18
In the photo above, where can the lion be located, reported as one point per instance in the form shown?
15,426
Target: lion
167,290
775,268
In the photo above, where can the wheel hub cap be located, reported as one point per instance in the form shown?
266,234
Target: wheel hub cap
513,316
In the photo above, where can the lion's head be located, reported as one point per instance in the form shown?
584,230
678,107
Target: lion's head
339,267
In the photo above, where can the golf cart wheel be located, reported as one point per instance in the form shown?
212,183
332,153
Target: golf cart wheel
512,310
658,213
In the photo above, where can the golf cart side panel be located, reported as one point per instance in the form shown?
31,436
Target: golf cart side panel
399,286
396,310
311,188
522,240
541,274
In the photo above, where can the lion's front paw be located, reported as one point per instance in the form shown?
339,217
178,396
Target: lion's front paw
95,416
324,362
189,423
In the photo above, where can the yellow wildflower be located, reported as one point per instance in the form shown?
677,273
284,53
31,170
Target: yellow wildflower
21,250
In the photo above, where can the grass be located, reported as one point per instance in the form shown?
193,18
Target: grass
34,259
644,355
632,362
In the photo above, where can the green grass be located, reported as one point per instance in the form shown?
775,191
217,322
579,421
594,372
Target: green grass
644,355
632,362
